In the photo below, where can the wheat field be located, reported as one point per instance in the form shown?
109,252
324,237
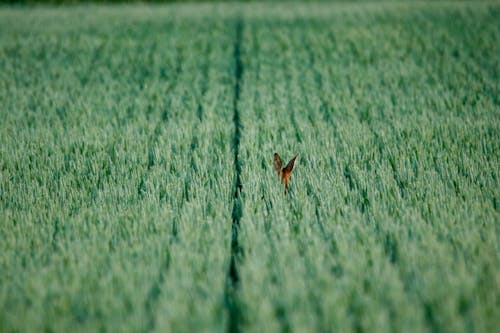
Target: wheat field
137,188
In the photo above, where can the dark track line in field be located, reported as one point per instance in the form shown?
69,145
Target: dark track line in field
233,278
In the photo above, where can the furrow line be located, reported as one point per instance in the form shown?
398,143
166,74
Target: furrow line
232,279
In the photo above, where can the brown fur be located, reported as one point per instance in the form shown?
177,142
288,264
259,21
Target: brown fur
286,172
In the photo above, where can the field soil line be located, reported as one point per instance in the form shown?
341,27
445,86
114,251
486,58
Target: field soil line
232,279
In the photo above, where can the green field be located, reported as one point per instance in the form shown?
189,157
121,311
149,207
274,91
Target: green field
137,189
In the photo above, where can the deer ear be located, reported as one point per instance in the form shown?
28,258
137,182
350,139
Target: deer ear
277,163
289,167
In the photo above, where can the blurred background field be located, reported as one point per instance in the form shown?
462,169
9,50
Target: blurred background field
137,191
